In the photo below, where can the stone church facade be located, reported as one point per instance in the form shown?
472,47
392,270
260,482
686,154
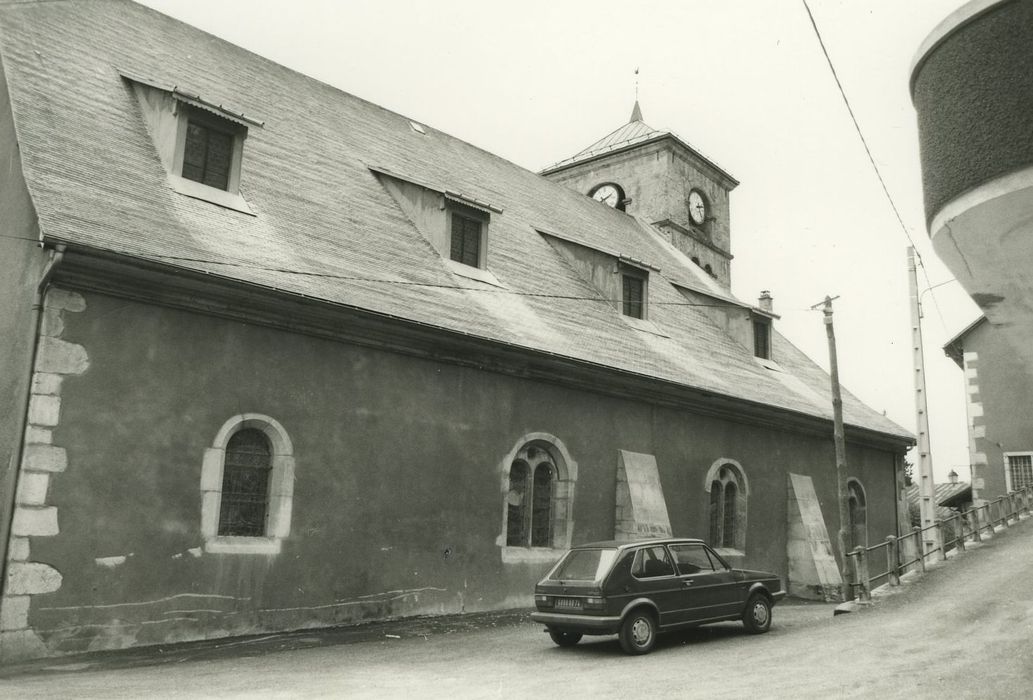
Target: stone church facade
276,366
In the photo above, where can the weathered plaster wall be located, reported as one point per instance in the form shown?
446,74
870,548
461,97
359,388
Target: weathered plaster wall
21,265
398,494
998,386
36,513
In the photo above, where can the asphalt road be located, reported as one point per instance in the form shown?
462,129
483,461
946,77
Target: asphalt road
965,629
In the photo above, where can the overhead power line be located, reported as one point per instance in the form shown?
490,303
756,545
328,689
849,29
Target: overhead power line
871,159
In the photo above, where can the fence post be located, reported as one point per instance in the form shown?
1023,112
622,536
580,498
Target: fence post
864,584
960,541
943,542
973,515
920,546
892,561
1003,510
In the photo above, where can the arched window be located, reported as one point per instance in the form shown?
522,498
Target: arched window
726,506
538,491
541,509
857,513
247,487
245,484
516,505
730,516
715,512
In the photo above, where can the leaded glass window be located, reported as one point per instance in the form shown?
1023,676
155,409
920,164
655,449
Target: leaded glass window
541,514
728,517
516,505
207,155
245,484
531,500
715,513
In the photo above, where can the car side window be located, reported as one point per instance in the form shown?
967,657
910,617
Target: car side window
692,559
651,562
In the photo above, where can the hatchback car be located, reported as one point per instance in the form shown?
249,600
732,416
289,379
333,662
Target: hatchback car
637,589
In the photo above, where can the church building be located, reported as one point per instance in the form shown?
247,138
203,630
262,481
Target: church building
277,357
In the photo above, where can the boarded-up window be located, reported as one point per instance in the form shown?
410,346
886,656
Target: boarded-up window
207,155
245,484
465,246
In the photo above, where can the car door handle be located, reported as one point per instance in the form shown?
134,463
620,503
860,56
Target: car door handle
688,582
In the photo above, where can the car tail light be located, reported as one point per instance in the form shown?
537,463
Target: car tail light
595,603
543,600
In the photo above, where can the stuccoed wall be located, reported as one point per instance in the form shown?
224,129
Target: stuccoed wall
1001,388
398,499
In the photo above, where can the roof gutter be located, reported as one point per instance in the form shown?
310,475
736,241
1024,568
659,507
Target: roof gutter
56,255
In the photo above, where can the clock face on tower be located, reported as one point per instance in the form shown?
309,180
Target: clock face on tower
697,207
610,195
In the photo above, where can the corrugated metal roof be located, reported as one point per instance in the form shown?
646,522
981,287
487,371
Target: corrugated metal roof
326,227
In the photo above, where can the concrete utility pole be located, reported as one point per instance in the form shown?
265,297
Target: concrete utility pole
840,441
926,488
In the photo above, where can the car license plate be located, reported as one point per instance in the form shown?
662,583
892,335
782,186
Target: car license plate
574,603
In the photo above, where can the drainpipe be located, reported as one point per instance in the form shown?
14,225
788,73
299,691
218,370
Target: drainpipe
37,321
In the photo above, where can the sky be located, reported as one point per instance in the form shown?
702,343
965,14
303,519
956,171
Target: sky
744,82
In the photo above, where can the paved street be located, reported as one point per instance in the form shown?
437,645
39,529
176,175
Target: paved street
963,630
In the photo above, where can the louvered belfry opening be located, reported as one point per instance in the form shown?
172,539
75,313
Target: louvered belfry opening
245,484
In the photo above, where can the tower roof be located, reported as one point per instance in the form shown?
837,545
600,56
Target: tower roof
633,133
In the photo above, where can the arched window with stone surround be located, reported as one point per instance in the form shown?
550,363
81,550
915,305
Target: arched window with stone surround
538,488
245,484
857,508
247,487
728,496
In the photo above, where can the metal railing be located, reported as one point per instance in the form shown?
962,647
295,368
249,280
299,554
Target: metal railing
909,552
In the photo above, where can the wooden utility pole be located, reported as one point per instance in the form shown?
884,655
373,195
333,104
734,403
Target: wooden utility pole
840,441
926,488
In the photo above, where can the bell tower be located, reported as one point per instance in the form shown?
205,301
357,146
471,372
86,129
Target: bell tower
656,176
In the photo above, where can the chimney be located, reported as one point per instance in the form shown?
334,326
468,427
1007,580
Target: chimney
765,301
953,476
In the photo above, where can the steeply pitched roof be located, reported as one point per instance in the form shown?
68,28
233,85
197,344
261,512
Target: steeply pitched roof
326,228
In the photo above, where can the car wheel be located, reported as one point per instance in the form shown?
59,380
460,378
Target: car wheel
638,632
565,639
757,615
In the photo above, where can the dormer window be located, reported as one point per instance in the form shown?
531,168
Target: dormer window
467,235
207,155
209,149
633,292
199,142
762,338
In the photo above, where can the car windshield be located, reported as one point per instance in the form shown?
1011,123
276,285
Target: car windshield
584,565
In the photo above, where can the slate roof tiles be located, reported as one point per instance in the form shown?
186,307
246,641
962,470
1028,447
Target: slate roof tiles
324,226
